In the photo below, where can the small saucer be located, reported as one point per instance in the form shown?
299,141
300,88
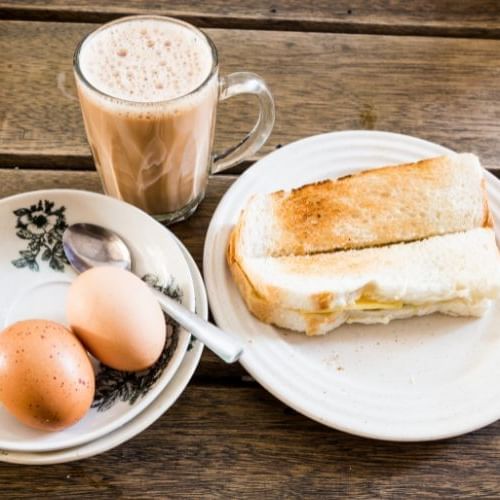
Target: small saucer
154,411
36,278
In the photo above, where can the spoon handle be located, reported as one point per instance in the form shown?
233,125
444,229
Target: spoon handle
228,347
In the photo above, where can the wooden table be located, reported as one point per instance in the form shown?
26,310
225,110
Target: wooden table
425,68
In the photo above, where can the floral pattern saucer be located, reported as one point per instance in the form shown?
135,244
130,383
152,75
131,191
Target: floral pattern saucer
35,280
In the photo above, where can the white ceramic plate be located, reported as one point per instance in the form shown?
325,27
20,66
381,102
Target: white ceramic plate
35,281
154,411
412,380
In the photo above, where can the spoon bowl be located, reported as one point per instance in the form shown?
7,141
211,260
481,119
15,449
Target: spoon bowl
88,245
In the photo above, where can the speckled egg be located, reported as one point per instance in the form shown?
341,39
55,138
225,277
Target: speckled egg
46,378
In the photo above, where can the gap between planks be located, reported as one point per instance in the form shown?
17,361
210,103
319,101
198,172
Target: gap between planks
342,18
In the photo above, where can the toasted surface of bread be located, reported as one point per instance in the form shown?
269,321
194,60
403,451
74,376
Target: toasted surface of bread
384,244
376,207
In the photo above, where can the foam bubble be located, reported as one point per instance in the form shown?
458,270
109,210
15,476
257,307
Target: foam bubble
146,60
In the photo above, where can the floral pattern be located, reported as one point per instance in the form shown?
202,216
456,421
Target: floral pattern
113,385
171,290
42,226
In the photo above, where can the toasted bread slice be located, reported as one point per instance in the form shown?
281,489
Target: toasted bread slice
454,274
372,208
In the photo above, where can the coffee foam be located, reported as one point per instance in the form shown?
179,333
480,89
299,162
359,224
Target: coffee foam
146,60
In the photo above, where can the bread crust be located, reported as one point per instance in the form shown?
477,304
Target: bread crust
488,216
268,311
261,308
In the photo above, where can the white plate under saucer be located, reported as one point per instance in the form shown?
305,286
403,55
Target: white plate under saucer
412,380
154,411
35,280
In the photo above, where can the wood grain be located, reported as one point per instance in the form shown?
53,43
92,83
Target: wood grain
239,442
227,437
449,18
445,90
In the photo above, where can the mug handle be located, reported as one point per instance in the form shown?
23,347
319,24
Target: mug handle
246,83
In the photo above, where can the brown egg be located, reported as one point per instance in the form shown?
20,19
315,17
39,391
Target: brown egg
46,378
117,318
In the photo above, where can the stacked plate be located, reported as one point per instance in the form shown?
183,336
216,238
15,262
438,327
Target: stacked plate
35,280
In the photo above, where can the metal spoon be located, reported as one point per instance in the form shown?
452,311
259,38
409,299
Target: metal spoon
88,245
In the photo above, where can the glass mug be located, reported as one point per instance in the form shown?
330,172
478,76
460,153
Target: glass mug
157,153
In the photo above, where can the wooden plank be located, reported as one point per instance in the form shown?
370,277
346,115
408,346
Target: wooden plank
191,233
230,442
449,18
444,90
